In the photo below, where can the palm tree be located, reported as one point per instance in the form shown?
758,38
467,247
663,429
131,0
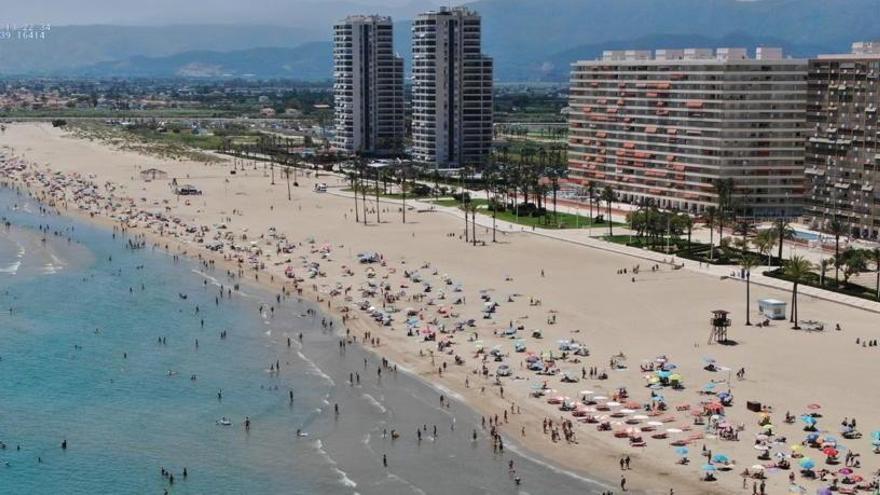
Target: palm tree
748,262
764,241
724,190
783,230
688,223
491,173
744,228
823,266
710,217
608,196
853,261
557,169
837,229
403,171
591,193
796,270
875,257
464,201
352,175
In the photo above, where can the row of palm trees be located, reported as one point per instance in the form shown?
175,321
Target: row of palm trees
798,270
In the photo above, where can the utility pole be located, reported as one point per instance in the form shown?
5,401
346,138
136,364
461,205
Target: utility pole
378,169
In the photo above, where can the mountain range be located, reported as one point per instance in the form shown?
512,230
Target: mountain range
531,40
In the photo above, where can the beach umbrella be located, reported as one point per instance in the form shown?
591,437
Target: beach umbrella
600,397
682,451
626,411
720,458
797,447
845,471
664,374
673,430
709,468
709,386
675,377
586,392
824,491
830,452
814,406
640,417
812,437
807,463
808,420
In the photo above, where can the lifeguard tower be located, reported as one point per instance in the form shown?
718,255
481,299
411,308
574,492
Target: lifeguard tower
720,324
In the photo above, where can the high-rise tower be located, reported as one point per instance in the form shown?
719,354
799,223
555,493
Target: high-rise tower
452,89
368,87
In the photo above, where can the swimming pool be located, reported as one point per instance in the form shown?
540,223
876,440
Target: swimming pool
806,236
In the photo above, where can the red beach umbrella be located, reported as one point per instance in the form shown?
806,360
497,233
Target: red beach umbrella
830,452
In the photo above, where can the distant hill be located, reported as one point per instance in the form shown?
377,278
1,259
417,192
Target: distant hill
308,62
530,40
522,33
68,47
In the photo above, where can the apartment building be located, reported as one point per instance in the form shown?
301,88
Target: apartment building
662,126
843,151
452,89
368,87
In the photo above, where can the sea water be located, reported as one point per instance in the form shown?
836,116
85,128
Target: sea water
98,349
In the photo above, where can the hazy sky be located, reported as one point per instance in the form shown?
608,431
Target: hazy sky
283,12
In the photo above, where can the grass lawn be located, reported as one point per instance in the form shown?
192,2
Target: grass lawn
371,194
814,279
675,245
563,220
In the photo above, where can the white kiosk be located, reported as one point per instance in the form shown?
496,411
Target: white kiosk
772,308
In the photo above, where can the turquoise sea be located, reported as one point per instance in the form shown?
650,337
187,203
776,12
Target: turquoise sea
81,315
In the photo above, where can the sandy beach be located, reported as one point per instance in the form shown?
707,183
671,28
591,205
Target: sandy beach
631,325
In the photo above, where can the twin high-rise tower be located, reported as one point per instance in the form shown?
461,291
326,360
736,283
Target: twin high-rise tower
368,87
451,89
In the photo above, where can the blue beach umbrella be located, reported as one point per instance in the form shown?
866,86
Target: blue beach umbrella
812,437
664,374
682,451
720,458
807,463
809,420
709,468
